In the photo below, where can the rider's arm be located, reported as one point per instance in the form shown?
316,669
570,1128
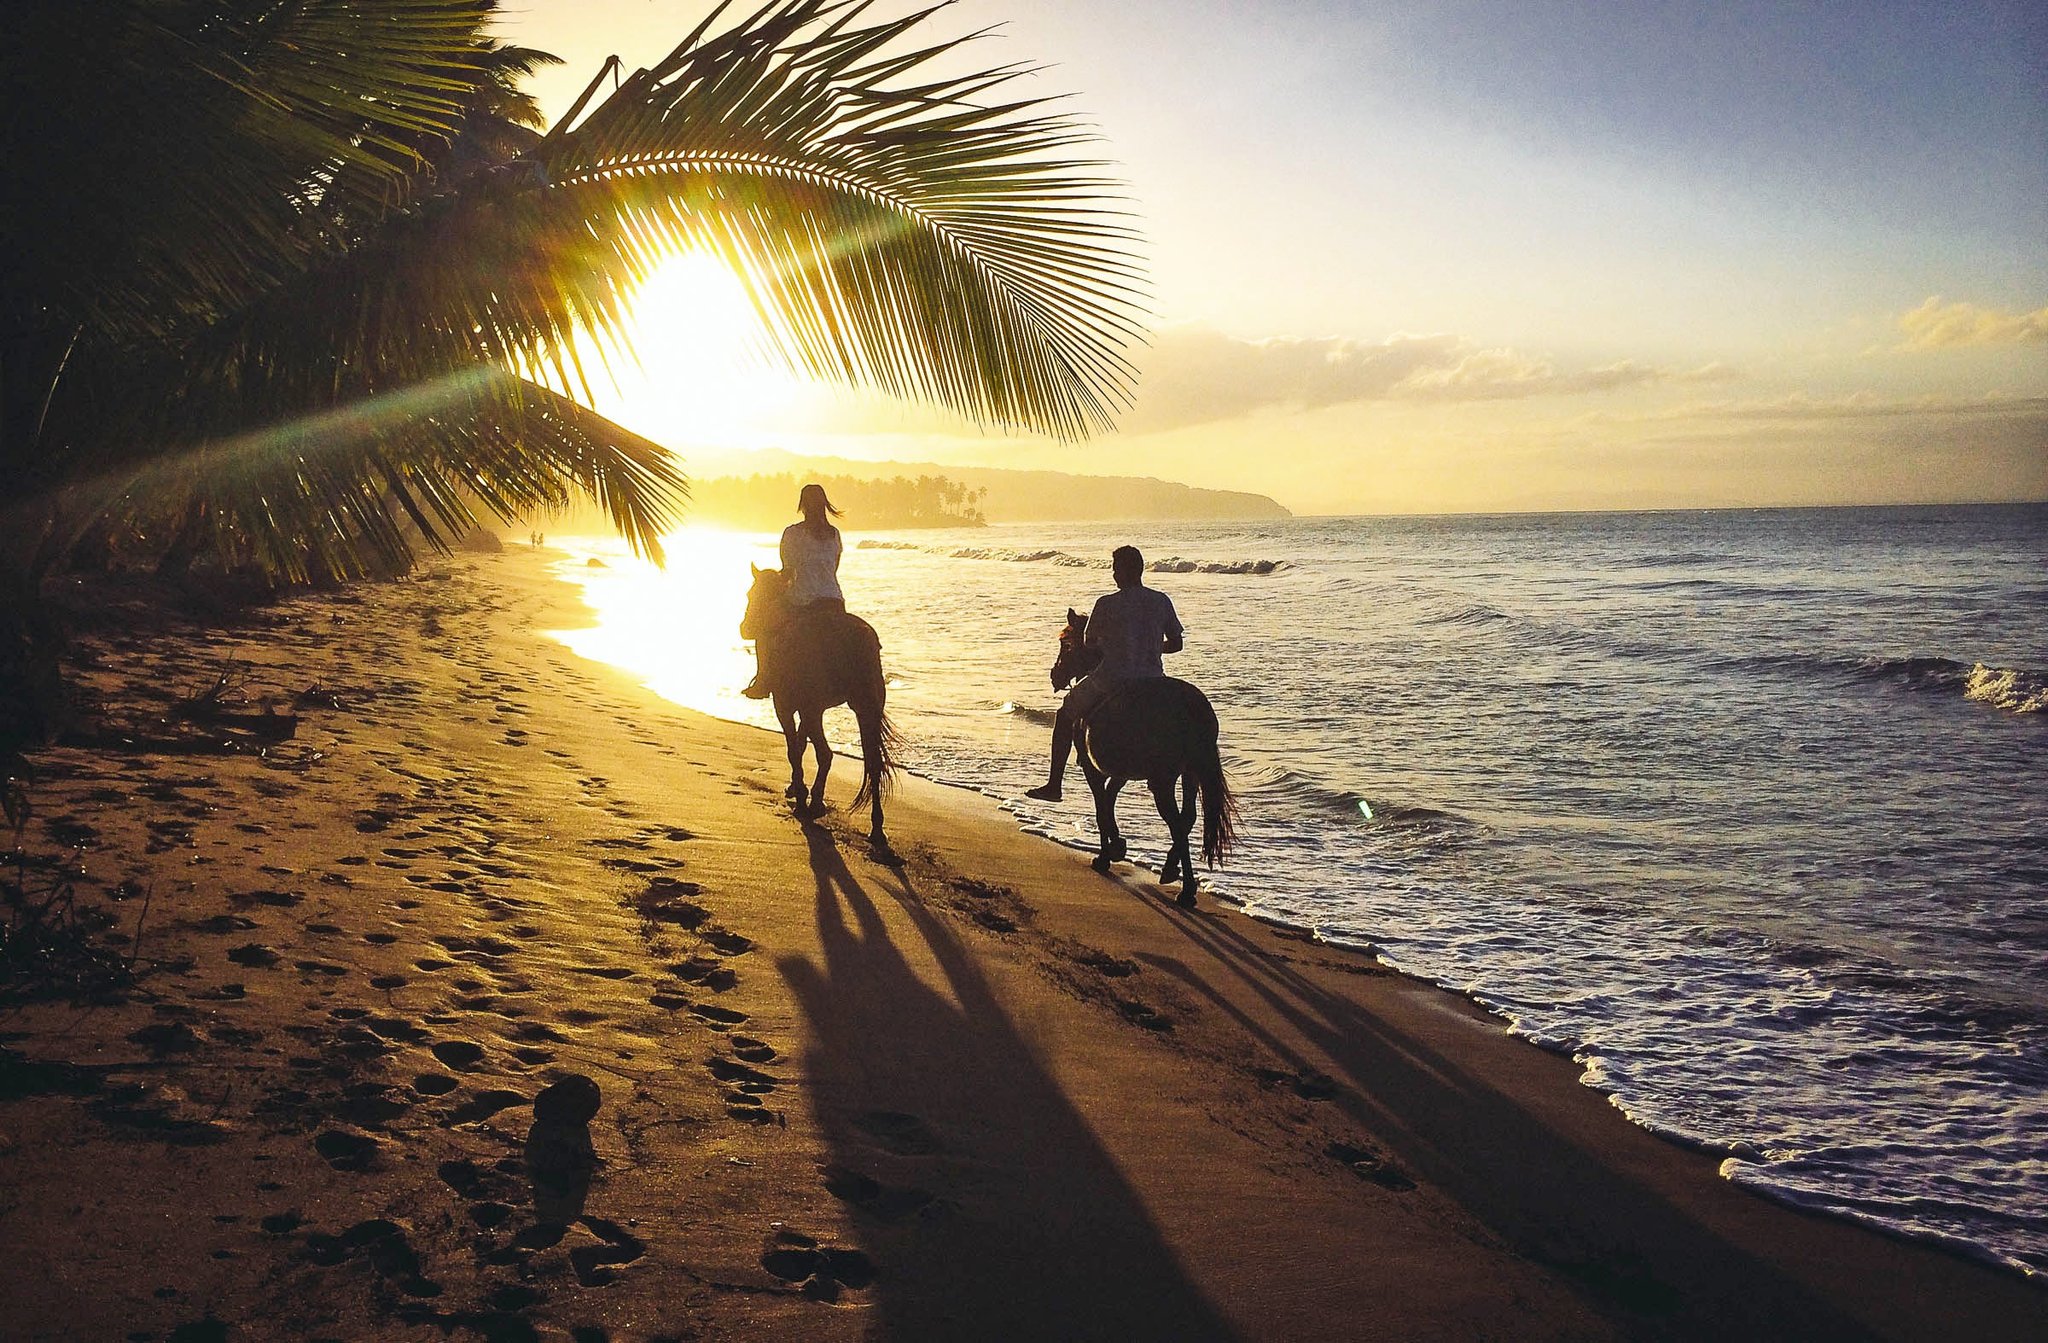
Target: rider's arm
788,559
1173,631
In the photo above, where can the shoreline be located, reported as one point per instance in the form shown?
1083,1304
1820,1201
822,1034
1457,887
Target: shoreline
1638,1109
999,1093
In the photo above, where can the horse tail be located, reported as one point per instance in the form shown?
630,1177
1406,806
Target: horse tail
879,740
1219,805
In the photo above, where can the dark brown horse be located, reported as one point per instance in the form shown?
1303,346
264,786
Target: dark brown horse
826,659
1162,731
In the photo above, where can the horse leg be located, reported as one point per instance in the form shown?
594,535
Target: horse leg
874,751
814,728
1112,841
1182,830
793,741
1169,812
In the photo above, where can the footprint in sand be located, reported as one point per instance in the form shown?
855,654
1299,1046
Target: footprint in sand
902,1134
706,972
486,1103
728,943
345,1150
1367,1165
751,1050
458,1054
1142,1014
718,1018
823,1271
888,1203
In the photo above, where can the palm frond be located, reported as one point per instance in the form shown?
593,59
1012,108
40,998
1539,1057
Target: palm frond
911,236
337,376
906,238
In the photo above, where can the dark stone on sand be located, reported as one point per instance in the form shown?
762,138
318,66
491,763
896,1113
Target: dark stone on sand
573,1100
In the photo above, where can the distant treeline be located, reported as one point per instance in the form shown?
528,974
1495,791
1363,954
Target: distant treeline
768,503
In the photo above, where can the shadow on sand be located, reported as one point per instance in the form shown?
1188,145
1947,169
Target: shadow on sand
1039,1235
1630,1251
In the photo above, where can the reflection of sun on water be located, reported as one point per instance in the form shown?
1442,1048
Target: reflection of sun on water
677,630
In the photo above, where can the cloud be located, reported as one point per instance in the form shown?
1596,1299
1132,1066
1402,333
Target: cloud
1862,406
1936,325
1195,375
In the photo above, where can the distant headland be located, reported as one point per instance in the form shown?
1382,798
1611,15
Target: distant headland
909,494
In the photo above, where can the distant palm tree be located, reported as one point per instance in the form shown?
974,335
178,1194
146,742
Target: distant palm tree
273,273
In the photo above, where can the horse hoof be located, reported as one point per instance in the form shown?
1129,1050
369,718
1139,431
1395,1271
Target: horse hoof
1116,851
880,850
1102,862
1186,898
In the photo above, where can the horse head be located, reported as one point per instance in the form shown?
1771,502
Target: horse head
1076,659
764,599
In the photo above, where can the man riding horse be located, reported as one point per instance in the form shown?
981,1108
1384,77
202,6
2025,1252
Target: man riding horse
1132,628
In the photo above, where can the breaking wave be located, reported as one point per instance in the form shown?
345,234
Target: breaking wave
1172,564
2013,689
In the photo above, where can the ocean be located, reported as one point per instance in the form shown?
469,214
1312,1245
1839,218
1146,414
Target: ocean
1747,811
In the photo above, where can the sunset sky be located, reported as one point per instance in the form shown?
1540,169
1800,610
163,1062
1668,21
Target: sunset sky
1413,256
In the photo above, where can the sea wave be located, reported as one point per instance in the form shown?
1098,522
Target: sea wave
1172,564
1431,823
2013,689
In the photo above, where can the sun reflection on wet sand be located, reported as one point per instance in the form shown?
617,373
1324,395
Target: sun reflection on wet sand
676,629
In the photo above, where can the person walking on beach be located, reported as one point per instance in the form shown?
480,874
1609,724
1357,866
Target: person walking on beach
810,561
1133,628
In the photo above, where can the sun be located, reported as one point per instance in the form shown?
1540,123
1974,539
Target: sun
699,373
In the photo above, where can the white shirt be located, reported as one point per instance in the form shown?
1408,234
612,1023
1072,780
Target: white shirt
812,562
1130,626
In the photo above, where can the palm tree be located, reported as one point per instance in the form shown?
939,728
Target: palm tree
260,291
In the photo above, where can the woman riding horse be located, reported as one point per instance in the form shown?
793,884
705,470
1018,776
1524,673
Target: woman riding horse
810,569
812,656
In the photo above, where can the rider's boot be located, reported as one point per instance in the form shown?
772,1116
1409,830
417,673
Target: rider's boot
1062,745
758,687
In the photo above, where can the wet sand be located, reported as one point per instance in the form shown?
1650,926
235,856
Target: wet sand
990,1094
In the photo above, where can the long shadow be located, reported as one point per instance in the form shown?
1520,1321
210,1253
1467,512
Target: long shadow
1634,1255
1036,1234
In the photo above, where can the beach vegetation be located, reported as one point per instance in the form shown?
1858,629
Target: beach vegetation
302,286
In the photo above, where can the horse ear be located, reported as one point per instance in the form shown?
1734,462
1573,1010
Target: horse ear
1072,615
756,568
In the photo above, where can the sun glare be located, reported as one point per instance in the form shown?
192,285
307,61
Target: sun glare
702,378
677,630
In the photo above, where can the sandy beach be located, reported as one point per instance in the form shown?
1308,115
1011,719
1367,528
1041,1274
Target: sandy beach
383,970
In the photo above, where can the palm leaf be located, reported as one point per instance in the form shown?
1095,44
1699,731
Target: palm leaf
353,383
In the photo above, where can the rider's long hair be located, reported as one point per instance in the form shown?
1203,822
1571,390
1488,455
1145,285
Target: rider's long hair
814,491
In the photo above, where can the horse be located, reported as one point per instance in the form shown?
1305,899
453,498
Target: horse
1160,730
830,659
